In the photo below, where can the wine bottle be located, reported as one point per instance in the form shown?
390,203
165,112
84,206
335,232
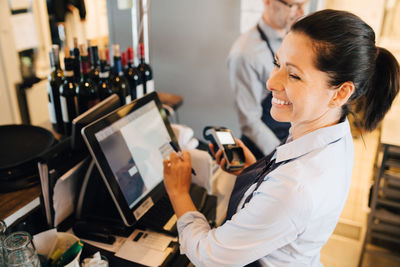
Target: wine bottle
123,61
94,62
68,93
119,83
87,93
53,90
109,63
77,63
146,72
89,45
104,75
133,76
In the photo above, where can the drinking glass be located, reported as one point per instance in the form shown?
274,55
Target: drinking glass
24,257
19,250
3,229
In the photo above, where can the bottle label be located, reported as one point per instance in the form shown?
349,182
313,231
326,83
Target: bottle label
68,73
150,86
64,109
143,208
139,91
104,74
128,99
52,111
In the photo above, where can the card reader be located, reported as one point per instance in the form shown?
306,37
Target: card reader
224,139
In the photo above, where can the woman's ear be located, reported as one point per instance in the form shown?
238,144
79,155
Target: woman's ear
342,94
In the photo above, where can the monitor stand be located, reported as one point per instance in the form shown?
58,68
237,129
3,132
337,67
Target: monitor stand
95,206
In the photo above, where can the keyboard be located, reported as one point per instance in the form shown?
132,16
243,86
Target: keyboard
161,216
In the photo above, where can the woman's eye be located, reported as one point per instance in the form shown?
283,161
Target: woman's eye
275,63
294,77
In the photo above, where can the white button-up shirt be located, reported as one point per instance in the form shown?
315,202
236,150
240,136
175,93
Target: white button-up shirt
291,215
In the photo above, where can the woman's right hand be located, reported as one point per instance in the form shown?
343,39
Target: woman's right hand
248,157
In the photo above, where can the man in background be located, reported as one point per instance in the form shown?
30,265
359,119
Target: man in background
250,63
69,14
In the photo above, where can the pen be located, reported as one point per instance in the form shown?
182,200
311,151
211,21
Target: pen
179,154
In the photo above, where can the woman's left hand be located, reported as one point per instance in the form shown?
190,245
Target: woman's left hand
177,174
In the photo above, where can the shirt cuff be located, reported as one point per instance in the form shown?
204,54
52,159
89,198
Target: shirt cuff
189,225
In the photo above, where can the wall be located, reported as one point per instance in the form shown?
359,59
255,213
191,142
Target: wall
119,25
9,69
371,11
189,43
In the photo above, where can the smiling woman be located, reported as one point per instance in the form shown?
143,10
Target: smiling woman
284,207
301,92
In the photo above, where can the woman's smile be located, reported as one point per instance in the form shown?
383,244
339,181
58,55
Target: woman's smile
279,102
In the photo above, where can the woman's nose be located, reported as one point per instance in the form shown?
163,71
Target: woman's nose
274,82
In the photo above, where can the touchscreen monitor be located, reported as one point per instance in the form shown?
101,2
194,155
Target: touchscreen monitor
129,146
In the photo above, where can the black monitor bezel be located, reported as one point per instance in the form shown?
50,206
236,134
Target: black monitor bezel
105,170
106,106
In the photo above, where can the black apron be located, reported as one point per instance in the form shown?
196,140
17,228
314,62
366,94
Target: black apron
252,175
280,129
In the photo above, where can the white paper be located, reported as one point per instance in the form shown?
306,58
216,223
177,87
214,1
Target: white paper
44,242
64,194
202,165
119,241
44,183
139,253
153,240
95,261
24,28
184,135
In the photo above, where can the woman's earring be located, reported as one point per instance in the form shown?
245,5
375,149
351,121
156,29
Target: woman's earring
332,105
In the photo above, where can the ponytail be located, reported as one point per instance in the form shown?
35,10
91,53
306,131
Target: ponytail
382,89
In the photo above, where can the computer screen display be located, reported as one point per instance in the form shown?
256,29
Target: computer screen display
128,146
135,147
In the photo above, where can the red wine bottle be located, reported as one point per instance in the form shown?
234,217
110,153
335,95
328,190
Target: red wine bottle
77,63
133,76
68,93
104,76
119,83
146,72
123,60
109,63
94,62
87,93
53,90
89,45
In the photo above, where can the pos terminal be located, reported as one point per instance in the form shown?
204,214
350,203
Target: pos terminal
224,139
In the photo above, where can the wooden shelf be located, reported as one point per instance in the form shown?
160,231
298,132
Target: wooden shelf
14,203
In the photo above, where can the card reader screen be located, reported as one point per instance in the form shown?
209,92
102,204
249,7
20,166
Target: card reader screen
226,138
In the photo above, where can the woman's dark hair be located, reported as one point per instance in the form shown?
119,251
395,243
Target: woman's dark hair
345,49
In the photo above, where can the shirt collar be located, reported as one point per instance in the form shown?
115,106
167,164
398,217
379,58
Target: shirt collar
268,31
312,141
